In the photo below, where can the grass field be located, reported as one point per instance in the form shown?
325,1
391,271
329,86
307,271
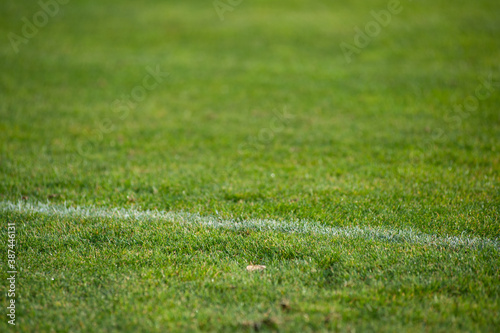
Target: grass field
150,151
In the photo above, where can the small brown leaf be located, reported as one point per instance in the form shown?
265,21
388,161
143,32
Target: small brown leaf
285,305
253,268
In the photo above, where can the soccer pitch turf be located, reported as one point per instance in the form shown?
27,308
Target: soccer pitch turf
150,151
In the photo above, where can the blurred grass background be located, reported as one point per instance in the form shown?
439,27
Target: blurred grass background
360,149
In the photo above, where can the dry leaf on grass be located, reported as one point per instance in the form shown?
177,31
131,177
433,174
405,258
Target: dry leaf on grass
252,268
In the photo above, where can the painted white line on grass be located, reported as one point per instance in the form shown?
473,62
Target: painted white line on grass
305,227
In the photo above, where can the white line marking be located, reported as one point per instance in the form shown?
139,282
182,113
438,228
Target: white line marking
305,227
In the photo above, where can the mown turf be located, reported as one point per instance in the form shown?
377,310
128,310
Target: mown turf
98,274
260,117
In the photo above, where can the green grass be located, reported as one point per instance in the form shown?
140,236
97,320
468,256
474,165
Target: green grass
360,148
